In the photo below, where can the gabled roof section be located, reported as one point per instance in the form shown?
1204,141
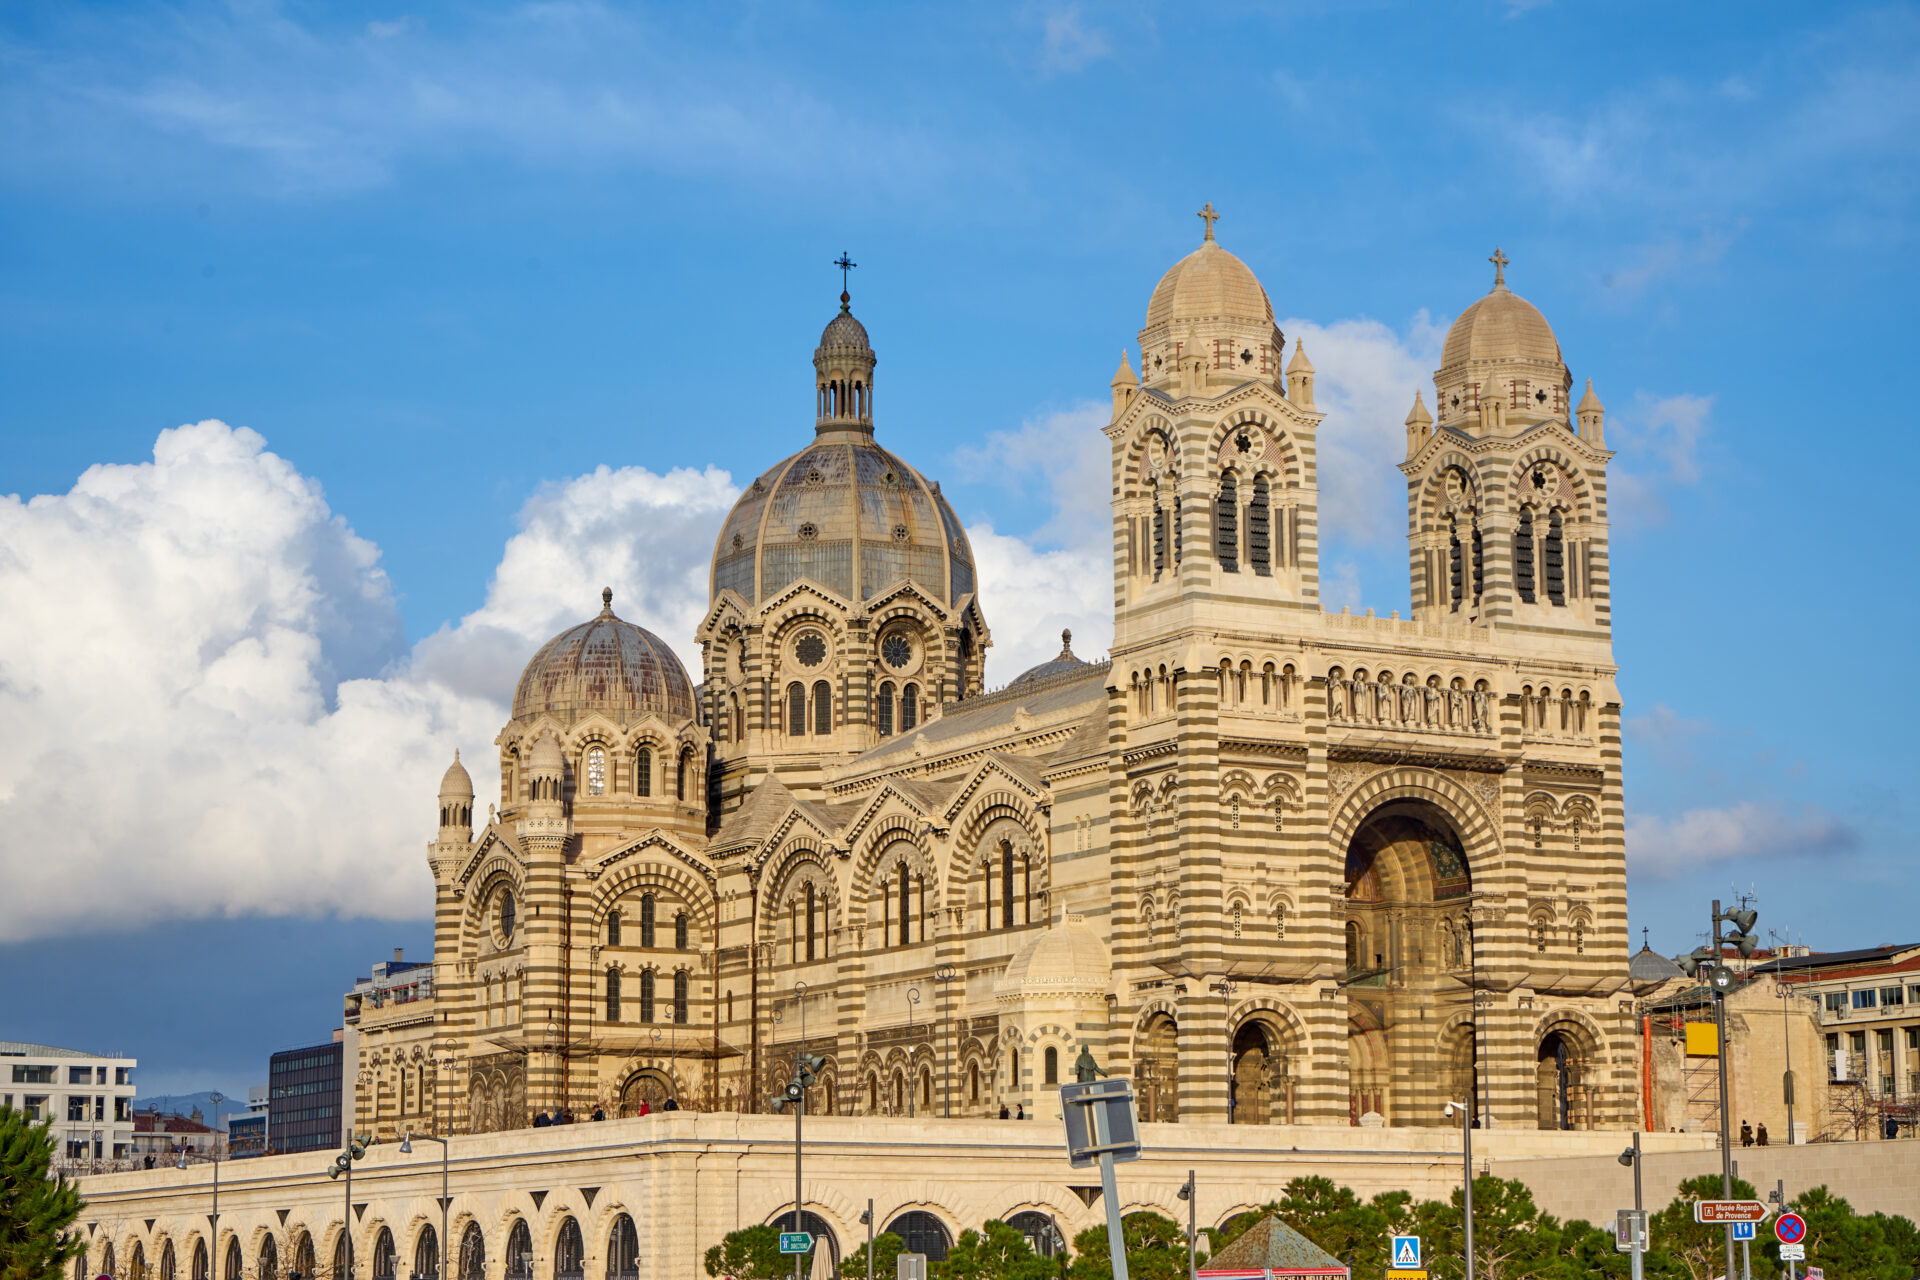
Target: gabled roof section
1089,740
751,824
922,799
1023,773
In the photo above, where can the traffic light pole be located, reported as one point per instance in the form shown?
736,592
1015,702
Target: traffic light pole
1720,1030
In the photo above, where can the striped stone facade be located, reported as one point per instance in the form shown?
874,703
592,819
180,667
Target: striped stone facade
1281,866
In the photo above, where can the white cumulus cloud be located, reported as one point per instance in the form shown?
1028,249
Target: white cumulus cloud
209,703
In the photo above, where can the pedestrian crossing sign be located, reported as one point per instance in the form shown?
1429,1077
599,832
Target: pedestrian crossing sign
1406,1253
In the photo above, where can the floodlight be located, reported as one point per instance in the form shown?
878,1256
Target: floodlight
1742,918
406,1144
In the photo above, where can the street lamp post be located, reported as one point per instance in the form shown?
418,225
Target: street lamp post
1631,1156
1466,1163
913,1085
406,1148
805,1071
355,1149
943,975
1187,1194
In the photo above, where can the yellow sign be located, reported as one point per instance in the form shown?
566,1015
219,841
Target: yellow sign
1406,1275
1703,1040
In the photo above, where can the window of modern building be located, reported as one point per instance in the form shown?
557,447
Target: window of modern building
1864,999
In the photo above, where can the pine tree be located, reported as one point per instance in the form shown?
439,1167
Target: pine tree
36,1212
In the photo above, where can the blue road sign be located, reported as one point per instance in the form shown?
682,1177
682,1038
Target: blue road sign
1743,1230
1406,1253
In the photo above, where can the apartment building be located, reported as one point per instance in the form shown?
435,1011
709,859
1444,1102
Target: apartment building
87,1096
1869,1013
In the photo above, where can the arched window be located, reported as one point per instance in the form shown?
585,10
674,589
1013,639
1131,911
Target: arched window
812,924
1052,1066
340,1246
647,910
1043,1235
1260,528
596,771
200,1270
613,927
646,995
643,772
973,1083
1176,528
1556,564
1006,884
822,707
473,1253
426,1256
684,777
1523,555
1353,946
520,1251
302,1258
909,707
1013,1068
873,1094
680,995
613,995
623,1250
1226,524
1456,576
680,930
235,1267
883,709
569,1253
923,1233
1159,537
796,710
906,906
1479,563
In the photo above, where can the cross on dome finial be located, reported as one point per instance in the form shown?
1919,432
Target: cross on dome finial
1208,216
845,264
1499,261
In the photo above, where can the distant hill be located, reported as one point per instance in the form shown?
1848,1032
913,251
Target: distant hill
184,1104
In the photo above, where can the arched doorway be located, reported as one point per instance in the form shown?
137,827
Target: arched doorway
473,1253
623,1250
302,1255
1157,1074
1042,1233
569,1252
649,1085
1407,881
1561,1077
1260,1090
519,1259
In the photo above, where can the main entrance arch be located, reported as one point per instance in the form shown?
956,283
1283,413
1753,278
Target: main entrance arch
1409,961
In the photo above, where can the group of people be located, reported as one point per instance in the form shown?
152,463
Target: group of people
1749,1137
1019,1111
560,1115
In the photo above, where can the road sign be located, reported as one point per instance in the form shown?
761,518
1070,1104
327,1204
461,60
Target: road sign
796,1242
1816,1273
1744,1230
1395,1273
1406,1253
1629,1225
1791,1228
1100,1121
1793,1253
1724,1211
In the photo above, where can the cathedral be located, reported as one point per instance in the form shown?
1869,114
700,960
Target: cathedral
1276,865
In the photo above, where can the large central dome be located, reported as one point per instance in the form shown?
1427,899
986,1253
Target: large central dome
849,515
843,512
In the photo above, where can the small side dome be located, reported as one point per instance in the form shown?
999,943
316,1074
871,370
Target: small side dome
1068,958
1064,664
545,757
607,666
843,332
457,784
1649,968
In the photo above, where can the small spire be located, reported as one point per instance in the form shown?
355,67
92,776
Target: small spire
1208,216
1499,261
1299,363
1418,415
1066,644
1589,403
606,602
1123,376
456,755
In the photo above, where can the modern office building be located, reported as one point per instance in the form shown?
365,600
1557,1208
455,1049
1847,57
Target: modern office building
303,1098
88,1096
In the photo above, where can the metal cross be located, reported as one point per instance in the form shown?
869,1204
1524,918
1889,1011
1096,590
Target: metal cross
845,264
1209,217
1499,261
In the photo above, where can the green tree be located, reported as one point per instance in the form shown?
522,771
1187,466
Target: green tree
752,1253
887,1248
1512,1239
1156,1249
996,1252
1692,1250
1845,1243
1902,1237
36,1212
1589,1251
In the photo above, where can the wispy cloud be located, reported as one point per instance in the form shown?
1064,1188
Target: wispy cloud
311,109
1069,44
1658,442
1662,848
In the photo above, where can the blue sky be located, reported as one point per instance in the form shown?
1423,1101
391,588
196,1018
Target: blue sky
508,302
